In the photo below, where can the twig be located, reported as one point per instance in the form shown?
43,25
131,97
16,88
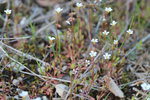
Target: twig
98,24
137,80
20,38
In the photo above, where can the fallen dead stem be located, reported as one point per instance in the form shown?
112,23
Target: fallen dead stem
19,38
137,80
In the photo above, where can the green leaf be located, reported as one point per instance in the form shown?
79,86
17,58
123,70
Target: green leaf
139,45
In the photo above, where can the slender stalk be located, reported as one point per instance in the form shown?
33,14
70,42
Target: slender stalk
90,21
57,34
57,41
50,55
74,39
125,41
71,87
17,19
79,32
45,54
88,90
50,58
7,26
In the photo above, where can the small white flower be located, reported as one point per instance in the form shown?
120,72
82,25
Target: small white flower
23,94
115,41
7,11
92,54
68,22
51,38
130,31
94,40
113,23
145,86
104,19
107,56
58,10
108,9
87,62
105,32
79,5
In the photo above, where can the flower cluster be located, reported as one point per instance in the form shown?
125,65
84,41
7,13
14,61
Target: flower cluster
108,9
